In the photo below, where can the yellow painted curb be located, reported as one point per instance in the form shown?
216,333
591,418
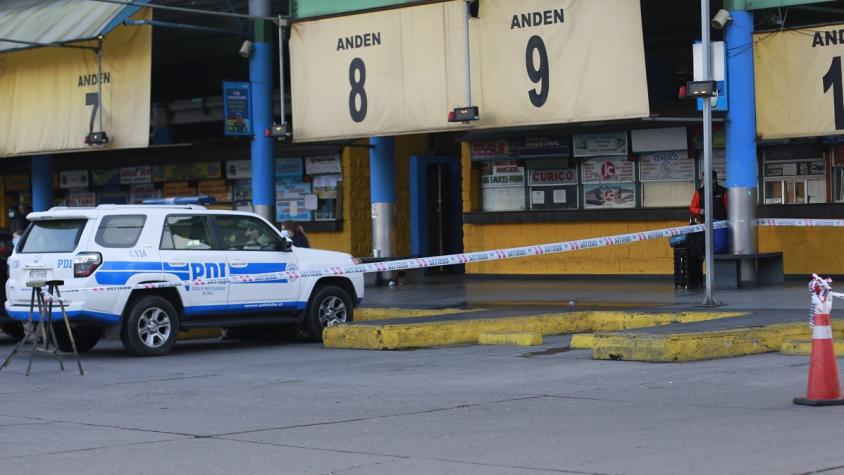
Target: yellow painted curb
368,314
804,347
663,348
199,334
464,331
519,339
582,341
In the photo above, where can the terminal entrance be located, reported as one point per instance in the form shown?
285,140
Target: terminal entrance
436,209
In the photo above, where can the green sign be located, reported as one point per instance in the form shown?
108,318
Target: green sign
760,4
314,8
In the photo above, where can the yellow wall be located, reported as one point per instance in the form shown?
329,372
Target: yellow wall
805,250
356,236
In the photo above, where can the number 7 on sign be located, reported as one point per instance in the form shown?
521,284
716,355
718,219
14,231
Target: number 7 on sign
92,99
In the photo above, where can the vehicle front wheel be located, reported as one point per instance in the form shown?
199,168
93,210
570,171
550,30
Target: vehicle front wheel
151,327
329,306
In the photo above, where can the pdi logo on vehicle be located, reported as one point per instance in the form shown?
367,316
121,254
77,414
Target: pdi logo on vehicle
208,270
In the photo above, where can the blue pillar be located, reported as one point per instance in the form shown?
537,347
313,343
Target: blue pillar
42,182
382,185
260,75
741,136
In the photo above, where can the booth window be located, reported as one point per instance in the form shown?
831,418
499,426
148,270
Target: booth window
799,181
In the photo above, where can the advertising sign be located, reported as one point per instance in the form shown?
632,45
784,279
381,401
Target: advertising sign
82,199
288,167
135,175
544,147
187,171
503,174
179,188
237,108
666,166
17,183
493,149
326,164
799,82
238,169
217,189
589,145
607,170
139,193
113,197
619,195
552,176
109,176
73,179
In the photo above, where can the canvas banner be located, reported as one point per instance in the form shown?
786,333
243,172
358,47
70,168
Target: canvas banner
558,61
799,82
379,73
48,96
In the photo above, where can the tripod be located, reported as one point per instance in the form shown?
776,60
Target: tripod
43,330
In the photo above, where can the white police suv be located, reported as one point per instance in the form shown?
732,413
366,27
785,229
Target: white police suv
122,246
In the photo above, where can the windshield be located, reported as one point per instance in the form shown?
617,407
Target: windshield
53,236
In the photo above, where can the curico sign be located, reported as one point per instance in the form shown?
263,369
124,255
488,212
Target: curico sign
555,176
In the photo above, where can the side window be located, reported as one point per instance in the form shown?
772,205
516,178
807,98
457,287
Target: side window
120,231
188,233
242,233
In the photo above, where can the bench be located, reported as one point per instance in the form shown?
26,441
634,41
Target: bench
768,265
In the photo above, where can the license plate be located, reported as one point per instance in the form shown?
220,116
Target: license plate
39,275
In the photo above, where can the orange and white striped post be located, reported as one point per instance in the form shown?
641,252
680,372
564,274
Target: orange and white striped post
824,388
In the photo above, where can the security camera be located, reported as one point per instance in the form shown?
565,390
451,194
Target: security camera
719,21
246,48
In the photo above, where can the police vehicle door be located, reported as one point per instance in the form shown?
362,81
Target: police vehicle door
187,251
252,247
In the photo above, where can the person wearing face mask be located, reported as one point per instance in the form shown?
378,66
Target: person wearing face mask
17,223
296,234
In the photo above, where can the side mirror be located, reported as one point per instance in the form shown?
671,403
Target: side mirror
284,245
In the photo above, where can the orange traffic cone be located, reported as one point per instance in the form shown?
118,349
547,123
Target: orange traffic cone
824,389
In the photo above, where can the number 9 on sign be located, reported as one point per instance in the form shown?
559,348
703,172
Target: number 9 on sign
539,75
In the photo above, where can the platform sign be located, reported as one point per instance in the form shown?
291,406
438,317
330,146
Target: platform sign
799,82
237,108
558,61
380,73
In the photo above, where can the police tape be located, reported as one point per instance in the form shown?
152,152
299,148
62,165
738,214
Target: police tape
787,222
420,262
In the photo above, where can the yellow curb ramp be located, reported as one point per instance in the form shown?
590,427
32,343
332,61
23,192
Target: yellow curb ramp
683,347
804,348
413,334
368,314
518,339
582,341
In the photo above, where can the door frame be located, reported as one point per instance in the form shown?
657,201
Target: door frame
419,224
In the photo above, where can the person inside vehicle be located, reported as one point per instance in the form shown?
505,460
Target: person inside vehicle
719,213
255,239
295,233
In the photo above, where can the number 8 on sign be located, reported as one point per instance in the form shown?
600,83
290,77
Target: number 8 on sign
357,79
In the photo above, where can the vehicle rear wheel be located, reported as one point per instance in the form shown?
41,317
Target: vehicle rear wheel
14,330
151,326
330,305
85,337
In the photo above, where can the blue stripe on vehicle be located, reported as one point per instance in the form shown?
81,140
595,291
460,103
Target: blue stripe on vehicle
250,307
23,315
130,265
